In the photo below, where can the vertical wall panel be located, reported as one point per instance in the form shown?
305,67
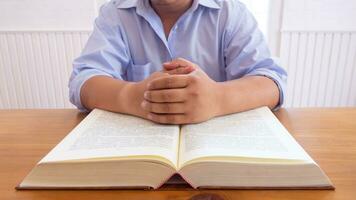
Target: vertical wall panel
328,78
351,95
341,64
285,50
299,71
321,68
348,71
35,67
15,88
335,54
308,68
291,66
4,94
324,69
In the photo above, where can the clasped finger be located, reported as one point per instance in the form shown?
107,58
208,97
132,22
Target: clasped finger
165,96
163,108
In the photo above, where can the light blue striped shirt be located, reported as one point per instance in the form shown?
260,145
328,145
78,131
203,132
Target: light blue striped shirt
129,43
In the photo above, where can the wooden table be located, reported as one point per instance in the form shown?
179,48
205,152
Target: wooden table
328,135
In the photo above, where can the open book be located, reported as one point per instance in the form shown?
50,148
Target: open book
245,150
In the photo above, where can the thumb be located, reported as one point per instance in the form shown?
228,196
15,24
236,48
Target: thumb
181,70
171,65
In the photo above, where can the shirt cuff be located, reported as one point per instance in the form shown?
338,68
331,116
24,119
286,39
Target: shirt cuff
76,83
278,80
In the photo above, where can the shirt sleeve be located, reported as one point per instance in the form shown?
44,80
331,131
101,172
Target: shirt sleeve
246,51
105,54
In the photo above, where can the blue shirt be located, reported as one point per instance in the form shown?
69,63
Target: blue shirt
129,43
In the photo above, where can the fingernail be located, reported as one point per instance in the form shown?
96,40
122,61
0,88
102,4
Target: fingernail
145,95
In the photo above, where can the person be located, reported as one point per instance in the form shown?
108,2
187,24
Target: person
176,61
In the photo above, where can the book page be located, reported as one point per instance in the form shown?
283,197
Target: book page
105,134
252,134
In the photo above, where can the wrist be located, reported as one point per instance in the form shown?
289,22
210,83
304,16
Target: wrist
219,94
124,96
229,99
131,99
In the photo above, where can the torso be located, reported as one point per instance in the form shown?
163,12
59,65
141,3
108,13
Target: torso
198,38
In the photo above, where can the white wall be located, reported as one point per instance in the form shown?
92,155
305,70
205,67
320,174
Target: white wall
319,15
38,41
35,67
318,49
40,15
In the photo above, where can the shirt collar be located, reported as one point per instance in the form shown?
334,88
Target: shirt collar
127,3
134,3
209,4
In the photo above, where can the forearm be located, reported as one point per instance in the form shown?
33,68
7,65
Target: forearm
110,94
247,93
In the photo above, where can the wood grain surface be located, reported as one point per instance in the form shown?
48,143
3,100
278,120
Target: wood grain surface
328,135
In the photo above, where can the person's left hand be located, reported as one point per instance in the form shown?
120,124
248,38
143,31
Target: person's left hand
187,96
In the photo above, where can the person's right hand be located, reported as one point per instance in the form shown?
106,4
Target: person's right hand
135,91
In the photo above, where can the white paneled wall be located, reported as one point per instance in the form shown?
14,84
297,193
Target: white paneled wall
35,67
38,41
322,68
318,49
